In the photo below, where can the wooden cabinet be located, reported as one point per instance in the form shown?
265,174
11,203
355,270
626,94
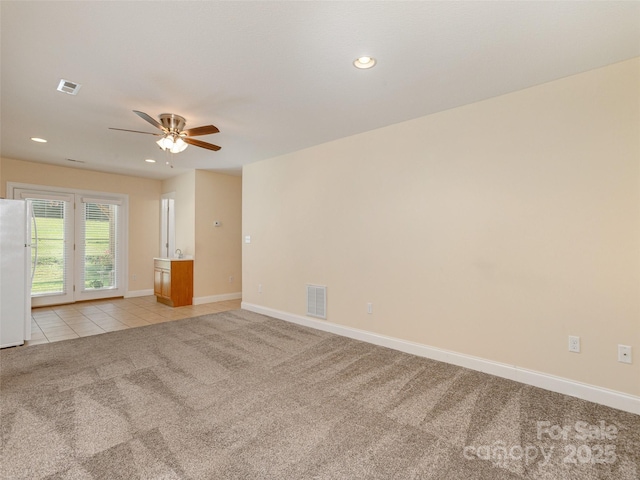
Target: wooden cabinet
173,281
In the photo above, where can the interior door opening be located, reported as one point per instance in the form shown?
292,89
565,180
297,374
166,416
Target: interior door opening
168,225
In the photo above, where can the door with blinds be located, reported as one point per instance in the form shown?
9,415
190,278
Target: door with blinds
52,238
98,248
77,246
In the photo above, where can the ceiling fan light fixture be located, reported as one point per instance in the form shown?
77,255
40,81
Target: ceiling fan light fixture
174,145
164,143
174,138
179,145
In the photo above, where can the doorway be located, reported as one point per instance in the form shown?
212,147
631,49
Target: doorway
168,225
78,246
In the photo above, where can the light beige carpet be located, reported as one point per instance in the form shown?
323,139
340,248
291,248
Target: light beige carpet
237,395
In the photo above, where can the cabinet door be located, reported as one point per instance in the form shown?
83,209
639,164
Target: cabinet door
157,281
166,284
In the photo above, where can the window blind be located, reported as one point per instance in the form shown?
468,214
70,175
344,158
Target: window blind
100,249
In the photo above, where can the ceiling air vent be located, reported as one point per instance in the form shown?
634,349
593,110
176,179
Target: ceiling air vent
65,86
317,301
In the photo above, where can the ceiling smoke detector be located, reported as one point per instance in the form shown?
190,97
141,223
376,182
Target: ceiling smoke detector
66,86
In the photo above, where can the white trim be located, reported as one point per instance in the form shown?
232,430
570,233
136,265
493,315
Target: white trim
592,393
64,190
217,298
102,201
138,293
39,196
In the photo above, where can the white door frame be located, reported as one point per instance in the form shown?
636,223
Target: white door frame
14,188
168,225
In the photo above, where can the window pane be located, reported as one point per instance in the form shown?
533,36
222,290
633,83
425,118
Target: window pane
99,234
47,232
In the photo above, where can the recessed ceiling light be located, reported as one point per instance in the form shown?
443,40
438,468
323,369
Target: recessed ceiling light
150,160
39,140
364,62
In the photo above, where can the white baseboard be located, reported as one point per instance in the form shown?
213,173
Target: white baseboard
592,393
138,293
217,298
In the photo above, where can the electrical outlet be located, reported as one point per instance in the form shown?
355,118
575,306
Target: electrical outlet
231,279
369,307
259,288
574,344
134,277
624,353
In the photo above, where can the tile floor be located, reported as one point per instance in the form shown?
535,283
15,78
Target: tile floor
51,324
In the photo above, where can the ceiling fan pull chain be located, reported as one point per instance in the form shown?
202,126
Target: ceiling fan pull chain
169,155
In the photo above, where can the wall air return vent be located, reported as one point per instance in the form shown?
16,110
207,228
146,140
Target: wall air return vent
66,86
317,301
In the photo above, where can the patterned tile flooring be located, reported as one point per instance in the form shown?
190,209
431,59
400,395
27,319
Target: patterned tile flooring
62,322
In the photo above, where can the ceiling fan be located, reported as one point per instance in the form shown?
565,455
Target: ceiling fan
174,137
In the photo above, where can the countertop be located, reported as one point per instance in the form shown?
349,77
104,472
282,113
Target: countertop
185,258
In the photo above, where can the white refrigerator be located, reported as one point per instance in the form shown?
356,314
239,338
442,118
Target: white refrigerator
15,273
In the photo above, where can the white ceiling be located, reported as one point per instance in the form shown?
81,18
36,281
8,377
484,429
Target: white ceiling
274,77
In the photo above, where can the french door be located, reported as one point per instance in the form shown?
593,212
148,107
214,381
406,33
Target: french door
77,246
51,246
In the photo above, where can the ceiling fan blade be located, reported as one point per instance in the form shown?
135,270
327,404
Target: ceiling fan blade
200,143
135,131
205,130
149,119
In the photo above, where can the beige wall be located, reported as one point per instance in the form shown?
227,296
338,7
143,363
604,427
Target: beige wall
219,197
144,211
201,197
495,229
